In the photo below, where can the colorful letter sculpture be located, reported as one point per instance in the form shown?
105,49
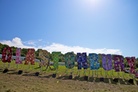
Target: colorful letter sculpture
82,60
7,55
94,64
55,56
107,61
30,57
131,63
69,60
44,56
18,56
118,63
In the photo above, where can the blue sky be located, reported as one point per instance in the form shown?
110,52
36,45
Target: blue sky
91,25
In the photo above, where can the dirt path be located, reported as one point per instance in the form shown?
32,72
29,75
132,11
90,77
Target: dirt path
20,83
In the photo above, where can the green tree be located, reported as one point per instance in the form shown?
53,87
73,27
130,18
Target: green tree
37,53
14,50
61,58
24,52
2,46
136,62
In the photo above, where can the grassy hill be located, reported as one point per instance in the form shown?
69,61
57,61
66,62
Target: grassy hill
28,82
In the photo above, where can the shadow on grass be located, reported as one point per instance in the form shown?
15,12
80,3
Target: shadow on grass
6,70
28,74
65,77
115,81
17,72
13,72
70,77
47,76
31,74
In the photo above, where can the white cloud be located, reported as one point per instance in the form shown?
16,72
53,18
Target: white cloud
17,42
75,49
32,43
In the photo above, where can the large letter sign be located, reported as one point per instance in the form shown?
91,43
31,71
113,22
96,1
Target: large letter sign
18,56
118,63
30,57
69,60
82,60
94,64
55,56
44,56
7,55
131,62
107,61
79,60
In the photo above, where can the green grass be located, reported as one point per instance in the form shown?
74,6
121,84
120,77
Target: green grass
63,70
